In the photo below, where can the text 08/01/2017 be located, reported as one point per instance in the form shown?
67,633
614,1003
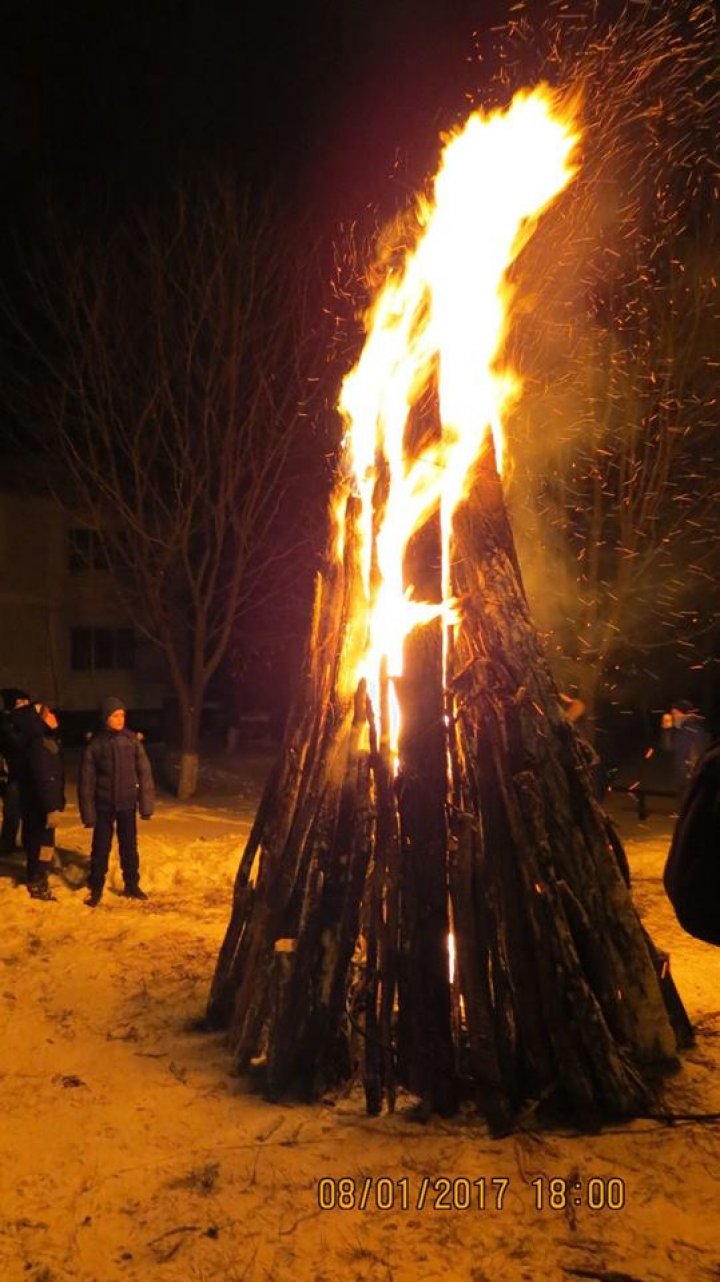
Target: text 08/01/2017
461,1193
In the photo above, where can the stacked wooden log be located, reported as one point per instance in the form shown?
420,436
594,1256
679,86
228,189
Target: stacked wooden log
460,926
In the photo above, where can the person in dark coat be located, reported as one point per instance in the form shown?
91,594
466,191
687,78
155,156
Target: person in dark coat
13,699
574,712
115,780
41,779
688,739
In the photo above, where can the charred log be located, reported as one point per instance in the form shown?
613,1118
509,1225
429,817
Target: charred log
461,923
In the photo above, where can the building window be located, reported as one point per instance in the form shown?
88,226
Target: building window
81,650
85,550
102,649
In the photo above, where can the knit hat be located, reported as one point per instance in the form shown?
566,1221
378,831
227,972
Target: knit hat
109,705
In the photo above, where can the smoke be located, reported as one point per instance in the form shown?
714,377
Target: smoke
613,484
614,488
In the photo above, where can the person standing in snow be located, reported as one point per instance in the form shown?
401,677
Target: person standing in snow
41,780
115,781
687,737
575,713
13,699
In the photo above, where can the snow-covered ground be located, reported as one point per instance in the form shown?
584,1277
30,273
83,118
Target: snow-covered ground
128,1150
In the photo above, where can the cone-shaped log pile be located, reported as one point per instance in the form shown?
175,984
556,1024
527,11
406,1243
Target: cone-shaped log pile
462,926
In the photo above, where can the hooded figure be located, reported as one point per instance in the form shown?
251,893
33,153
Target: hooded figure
115,781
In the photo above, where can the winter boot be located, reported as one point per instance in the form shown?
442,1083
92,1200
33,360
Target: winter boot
93,899
39,889
134,892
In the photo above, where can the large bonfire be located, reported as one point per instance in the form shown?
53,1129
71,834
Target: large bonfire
430,896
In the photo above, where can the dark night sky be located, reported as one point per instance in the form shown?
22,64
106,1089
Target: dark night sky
96,95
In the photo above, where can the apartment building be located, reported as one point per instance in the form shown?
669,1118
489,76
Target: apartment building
65,633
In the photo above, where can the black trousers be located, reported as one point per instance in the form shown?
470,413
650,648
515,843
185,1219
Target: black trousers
36,834
125,821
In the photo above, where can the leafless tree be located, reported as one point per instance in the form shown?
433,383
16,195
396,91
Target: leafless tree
176,358
616,488
617,491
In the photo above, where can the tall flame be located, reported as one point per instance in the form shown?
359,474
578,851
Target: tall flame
444,315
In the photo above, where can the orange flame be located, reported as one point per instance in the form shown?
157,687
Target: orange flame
445,313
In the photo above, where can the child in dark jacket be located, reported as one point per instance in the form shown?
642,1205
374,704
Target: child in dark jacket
115,780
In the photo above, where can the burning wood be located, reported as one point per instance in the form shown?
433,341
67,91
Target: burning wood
429,887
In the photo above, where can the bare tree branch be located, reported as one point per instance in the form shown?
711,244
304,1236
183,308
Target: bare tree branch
175,359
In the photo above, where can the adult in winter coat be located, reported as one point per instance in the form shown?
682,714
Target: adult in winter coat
115,780
13,699
41,781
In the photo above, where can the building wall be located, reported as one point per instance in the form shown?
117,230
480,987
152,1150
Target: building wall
41,601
